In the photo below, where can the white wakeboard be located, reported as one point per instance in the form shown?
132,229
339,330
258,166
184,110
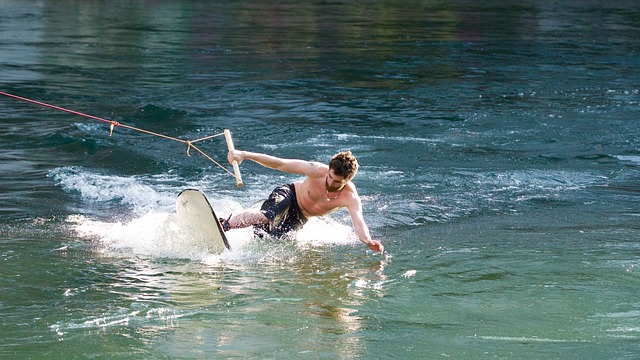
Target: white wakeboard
196,213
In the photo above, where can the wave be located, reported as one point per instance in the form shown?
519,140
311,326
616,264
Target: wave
443,197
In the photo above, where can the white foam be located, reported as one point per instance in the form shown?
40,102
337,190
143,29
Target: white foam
630,158
154,234
161,235
322,231
525,339
162,315
132,191
409,273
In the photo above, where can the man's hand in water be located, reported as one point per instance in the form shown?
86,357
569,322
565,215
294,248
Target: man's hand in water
376,246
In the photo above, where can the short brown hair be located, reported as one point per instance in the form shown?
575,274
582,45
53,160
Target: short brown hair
344,164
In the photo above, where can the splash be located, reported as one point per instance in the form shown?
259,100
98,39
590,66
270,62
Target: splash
154,234
147,225
137,193
162,235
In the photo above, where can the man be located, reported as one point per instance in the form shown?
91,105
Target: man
326,188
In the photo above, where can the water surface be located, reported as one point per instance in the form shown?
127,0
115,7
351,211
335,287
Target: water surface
500,167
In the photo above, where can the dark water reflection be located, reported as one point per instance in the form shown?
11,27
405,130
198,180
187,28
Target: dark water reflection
371,44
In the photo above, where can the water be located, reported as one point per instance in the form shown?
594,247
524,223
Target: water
499,158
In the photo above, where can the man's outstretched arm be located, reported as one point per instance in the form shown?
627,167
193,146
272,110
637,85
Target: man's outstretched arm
294,166
361,229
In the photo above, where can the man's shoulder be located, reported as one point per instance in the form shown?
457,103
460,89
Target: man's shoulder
317,169
319,165
350,192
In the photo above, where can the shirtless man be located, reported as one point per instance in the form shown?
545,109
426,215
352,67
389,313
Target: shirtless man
326,188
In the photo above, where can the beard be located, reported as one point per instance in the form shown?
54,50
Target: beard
331,188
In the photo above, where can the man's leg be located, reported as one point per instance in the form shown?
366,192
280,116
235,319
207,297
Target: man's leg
272,211
247,218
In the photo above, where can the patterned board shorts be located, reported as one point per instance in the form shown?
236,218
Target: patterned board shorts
281,208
